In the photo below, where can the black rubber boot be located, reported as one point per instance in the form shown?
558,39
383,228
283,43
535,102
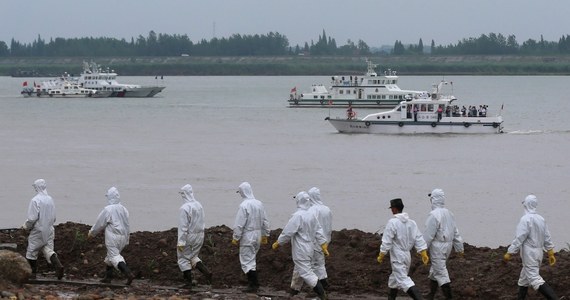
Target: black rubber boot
392,294
325,284
204,270
187,279
523,290
446,289
293,292
127,272
57,265
34,265
108,275
547,291
251,282
414,292
432,289
320,290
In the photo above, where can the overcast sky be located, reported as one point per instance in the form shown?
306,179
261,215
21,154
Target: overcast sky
377,22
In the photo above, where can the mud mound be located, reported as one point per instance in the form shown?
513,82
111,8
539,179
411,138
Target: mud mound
352,266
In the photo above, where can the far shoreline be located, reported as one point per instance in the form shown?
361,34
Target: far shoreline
408,65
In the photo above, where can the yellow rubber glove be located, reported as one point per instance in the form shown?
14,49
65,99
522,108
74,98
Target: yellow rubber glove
551,258
275,246
507,257
425,257
325,248
264,240
235,242
461,254
180,248
380,257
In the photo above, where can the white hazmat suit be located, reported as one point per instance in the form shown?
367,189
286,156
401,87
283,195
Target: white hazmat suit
532,239
324,216
114,219
400,236
305,233
190,230
40,220
441,235
250,225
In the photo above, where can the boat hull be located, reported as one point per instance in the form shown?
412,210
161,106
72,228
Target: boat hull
463,126
355,103
142,92
98,94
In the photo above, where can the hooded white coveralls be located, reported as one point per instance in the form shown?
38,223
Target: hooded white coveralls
114,219
532,239
441,235
400,236
304,232
190,230
40,220
250,225
324,216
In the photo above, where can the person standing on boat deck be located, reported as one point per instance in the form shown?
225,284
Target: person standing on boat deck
304,232
441,235
40,220
532,238
190,236
401,234
349,112
114,219
324,216
415,112
251,228
439,112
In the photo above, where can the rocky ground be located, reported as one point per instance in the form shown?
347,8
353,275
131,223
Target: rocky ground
352,267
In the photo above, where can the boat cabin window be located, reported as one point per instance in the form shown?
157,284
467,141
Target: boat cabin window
341,92
430,107
423,107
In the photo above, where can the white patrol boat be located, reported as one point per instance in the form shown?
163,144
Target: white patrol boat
369,90
433,114
94,77
61,87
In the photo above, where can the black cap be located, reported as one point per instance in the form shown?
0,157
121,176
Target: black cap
397,203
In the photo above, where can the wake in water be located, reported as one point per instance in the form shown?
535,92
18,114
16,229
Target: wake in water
533,132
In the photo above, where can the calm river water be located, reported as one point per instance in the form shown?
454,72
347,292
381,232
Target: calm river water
215,132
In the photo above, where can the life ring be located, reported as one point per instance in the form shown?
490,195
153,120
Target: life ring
401,124
433,124
367,123
466,124
495,125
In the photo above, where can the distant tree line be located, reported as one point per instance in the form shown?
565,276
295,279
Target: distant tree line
271,44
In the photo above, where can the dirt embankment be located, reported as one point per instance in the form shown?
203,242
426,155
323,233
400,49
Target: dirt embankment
352,265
